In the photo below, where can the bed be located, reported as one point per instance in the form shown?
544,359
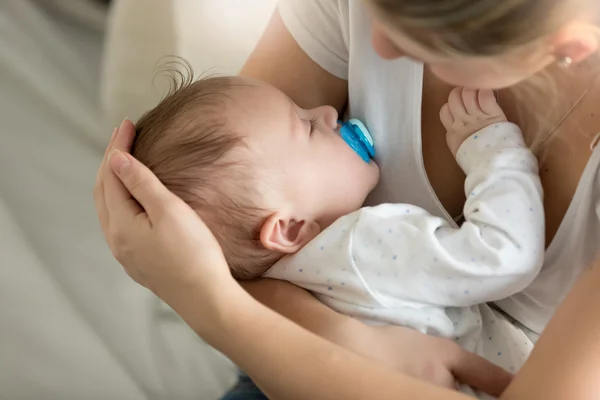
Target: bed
72,324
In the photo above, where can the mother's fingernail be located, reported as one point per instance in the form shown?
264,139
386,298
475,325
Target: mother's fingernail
123,123
114,133
119,162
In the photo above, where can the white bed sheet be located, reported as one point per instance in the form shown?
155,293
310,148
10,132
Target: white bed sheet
72,324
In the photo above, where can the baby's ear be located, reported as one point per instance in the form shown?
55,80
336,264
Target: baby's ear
287,235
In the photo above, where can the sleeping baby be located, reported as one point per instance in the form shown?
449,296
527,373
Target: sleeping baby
282,189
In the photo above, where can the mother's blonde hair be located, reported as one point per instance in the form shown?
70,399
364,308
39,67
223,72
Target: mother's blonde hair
481,27
494,28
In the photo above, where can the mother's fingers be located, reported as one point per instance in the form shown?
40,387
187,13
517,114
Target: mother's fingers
120,203
475,371
118,199
110,142
114,192
99,187
141,184
108,149
122,138
101,209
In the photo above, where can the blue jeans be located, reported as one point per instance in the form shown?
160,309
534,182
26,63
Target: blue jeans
245,389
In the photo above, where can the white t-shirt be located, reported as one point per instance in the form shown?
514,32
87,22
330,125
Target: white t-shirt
336,34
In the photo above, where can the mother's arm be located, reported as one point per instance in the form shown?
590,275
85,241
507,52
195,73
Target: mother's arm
279,60
565,363
288,362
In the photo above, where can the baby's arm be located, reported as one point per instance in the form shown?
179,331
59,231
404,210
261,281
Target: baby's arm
499,248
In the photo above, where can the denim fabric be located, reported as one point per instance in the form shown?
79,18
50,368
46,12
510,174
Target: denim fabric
245,389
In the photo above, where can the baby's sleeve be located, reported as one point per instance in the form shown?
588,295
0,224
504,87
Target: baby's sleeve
497,251
320,28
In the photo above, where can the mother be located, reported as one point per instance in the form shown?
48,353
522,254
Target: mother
369,56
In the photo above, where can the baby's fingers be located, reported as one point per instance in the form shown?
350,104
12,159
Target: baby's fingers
457,106
488,103
471,102
446,117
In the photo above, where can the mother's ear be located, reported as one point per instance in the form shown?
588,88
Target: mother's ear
287,235
576,42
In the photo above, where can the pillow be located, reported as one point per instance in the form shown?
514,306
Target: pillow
215,36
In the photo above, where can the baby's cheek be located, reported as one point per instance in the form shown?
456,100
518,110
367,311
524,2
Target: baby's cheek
376,172
373,177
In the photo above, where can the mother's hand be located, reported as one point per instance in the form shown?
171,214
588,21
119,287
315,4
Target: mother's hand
160,241
438,361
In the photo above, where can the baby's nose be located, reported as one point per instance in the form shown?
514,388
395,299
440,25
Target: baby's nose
330,116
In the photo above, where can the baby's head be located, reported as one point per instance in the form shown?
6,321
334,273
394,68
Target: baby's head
265,175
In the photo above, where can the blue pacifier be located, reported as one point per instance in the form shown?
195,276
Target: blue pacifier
357,136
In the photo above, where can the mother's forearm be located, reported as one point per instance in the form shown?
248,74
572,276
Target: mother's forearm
565,363
289,362
304,309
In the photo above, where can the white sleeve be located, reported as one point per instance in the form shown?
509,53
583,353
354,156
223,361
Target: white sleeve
320,28
497,252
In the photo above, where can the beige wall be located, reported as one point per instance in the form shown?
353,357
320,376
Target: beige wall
210,34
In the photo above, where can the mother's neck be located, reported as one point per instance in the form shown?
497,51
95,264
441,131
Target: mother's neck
541,103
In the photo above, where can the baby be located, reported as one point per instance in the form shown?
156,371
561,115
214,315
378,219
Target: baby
282,188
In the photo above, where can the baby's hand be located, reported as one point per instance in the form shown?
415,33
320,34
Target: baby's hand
467,112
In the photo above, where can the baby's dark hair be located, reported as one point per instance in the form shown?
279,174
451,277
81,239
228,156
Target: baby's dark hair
186,142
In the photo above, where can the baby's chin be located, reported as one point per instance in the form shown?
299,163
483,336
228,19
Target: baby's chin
371,179
375,174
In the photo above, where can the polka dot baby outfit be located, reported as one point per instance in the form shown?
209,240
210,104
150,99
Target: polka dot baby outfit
397,264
